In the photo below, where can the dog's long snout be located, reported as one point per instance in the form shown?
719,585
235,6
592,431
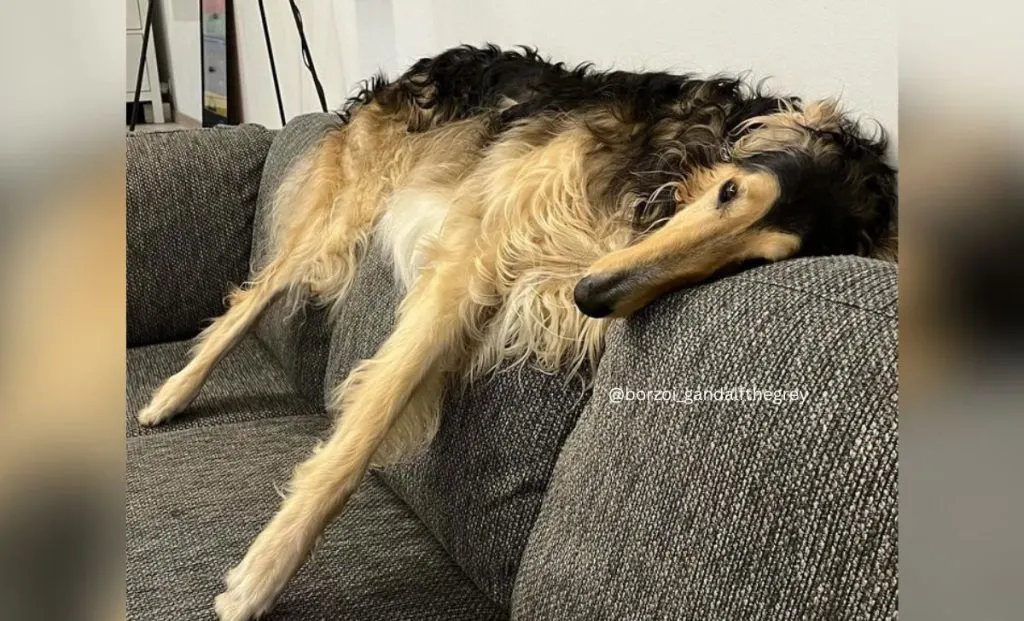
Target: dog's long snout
598,294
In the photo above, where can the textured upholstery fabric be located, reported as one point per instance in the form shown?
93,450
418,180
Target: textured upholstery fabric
733,510
246,385
300,341
191,196
196,498
480,484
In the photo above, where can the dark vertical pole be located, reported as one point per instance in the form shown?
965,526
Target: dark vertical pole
142,64
273,67
307,56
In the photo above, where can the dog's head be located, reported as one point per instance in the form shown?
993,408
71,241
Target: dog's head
800,182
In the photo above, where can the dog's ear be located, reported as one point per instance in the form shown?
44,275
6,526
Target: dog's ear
887,249
879,213
875,208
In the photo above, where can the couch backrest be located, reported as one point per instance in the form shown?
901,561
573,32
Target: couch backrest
189,226
300,341
737,509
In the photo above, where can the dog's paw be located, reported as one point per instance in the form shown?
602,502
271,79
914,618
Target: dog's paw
233,605
153,415
252,587
170,399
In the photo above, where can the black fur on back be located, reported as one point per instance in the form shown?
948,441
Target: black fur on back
687,121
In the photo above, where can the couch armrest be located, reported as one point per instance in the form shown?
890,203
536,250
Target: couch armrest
191,201
733,509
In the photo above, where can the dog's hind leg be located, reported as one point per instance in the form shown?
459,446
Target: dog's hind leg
245,306
406,371
314,255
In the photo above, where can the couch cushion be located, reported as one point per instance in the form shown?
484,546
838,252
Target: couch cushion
299,340
247,384
196,498
733,509
191,196
480,484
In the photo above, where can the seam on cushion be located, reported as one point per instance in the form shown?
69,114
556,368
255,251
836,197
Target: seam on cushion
225,424
279,362
155,432
376,473
216,424
540,508
544,497
279,365
547,485
373,472
202,130
877,311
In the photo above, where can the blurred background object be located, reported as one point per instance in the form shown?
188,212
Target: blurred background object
62,310
961,311
219,88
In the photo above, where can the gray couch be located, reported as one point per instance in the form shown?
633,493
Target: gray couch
537,500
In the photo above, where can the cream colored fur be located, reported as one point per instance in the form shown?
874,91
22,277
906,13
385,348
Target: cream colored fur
411,220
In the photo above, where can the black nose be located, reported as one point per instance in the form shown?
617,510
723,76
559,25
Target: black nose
597,295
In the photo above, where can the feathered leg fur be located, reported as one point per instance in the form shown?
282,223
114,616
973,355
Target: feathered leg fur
406,373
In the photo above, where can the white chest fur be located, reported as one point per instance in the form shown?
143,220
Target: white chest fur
411,219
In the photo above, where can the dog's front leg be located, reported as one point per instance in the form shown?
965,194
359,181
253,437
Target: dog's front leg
372,398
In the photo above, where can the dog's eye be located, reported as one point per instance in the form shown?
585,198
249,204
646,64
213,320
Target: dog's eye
727,192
